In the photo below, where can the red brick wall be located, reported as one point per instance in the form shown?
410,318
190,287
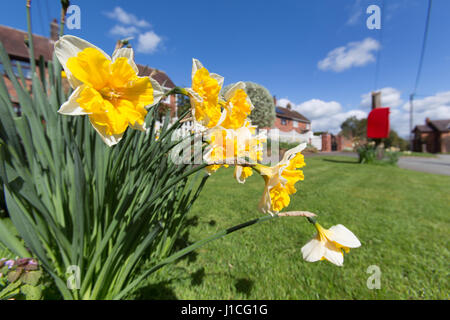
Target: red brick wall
326,142
289,126
445,142
344,143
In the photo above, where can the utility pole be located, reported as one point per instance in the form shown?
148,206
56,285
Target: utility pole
411,112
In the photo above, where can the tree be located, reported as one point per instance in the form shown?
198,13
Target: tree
263,115
353,127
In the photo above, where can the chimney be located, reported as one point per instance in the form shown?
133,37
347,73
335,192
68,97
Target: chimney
275,100
289,107
427,120
376,100
54,30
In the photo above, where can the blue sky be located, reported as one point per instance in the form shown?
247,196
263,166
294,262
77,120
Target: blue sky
318,55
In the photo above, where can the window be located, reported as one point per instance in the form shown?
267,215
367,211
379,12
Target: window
25,67
295,124
283,122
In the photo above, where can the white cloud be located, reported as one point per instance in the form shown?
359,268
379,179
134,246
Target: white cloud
130,26
356,12
127,18
354,54
324,116
148,42
438,101
435,107
122,31
390,97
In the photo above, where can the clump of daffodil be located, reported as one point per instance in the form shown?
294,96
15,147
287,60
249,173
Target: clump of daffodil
225,120
280,180
329,244
107,89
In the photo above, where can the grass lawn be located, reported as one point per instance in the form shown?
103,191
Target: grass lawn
401,217
418,154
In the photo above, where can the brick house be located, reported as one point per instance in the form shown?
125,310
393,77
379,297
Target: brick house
287,119
13,42
432,137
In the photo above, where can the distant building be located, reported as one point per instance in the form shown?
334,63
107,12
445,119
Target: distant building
432,137
14,43
287,119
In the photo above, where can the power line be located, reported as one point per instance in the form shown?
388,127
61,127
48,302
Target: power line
424,44
377,66
419,72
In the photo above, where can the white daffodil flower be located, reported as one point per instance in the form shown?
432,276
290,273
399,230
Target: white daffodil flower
328,244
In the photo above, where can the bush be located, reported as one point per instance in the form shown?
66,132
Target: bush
264,113
366,153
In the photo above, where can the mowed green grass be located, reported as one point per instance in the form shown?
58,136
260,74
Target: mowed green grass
401,217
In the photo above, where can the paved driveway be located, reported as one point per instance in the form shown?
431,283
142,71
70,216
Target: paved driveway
439,165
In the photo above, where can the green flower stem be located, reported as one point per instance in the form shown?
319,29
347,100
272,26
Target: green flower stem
188,250
312,220
30,38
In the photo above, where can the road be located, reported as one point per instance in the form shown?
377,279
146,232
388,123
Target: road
439,165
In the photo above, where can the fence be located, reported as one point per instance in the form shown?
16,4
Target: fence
291,136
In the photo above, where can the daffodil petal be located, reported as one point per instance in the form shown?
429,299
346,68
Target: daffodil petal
218,78
236,86
69,46
333,254
196,65
126,53
292,152
343,236
313,251
71,107
110,140
158,92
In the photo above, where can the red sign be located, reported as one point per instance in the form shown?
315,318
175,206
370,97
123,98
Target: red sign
378,123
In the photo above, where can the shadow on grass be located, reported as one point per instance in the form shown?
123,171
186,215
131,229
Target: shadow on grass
244,286
183,240
354,161
156,291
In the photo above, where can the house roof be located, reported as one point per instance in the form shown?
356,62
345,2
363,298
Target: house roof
290,114
160,76
441,125
434,125
13,41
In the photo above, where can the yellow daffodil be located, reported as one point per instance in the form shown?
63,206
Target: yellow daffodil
229,146
238,107
204,95
328,244
280,180
108,90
